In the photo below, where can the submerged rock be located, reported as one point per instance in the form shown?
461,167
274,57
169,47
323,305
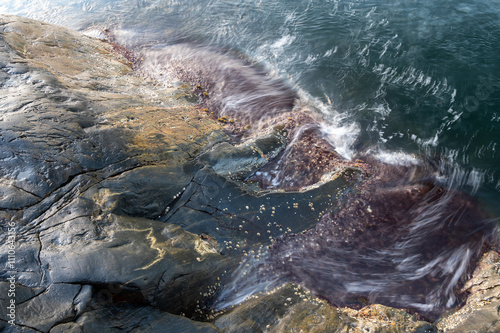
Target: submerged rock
234,215
229,84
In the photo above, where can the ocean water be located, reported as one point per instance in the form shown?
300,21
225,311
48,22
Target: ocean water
402,81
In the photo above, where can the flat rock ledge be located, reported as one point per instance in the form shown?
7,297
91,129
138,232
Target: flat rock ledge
119,196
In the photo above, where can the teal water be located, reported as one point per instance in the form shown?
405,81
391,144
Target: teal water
401,80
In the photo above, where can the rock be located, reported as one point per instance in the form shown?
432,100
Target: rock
7,328
144,191
146,257
42,118
481,312
130,318
90,153
29,273
58,302
62,118
291,309
240,161
219,207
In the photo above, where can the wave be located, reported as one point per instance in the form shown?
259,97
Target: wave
407,237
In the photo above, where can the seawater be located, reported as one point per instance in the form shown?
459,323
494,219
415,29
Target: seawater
401,81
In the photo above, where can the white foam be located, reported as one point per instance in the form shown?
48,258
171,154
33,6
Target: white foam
95,33
338,130
365,286
342,137
475,179
396,158
285,40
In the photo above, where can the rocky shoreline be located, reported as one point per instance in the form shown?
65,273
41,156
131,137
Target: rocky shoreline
131,204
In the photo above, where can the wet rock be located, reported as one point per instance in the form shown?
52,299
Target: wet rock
144,191
7,328
240,161
16,198
148,258
29,273
58,302
39,132
70,106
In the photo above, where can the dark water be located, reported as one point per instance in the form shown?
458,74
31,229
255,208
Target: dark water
401,81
